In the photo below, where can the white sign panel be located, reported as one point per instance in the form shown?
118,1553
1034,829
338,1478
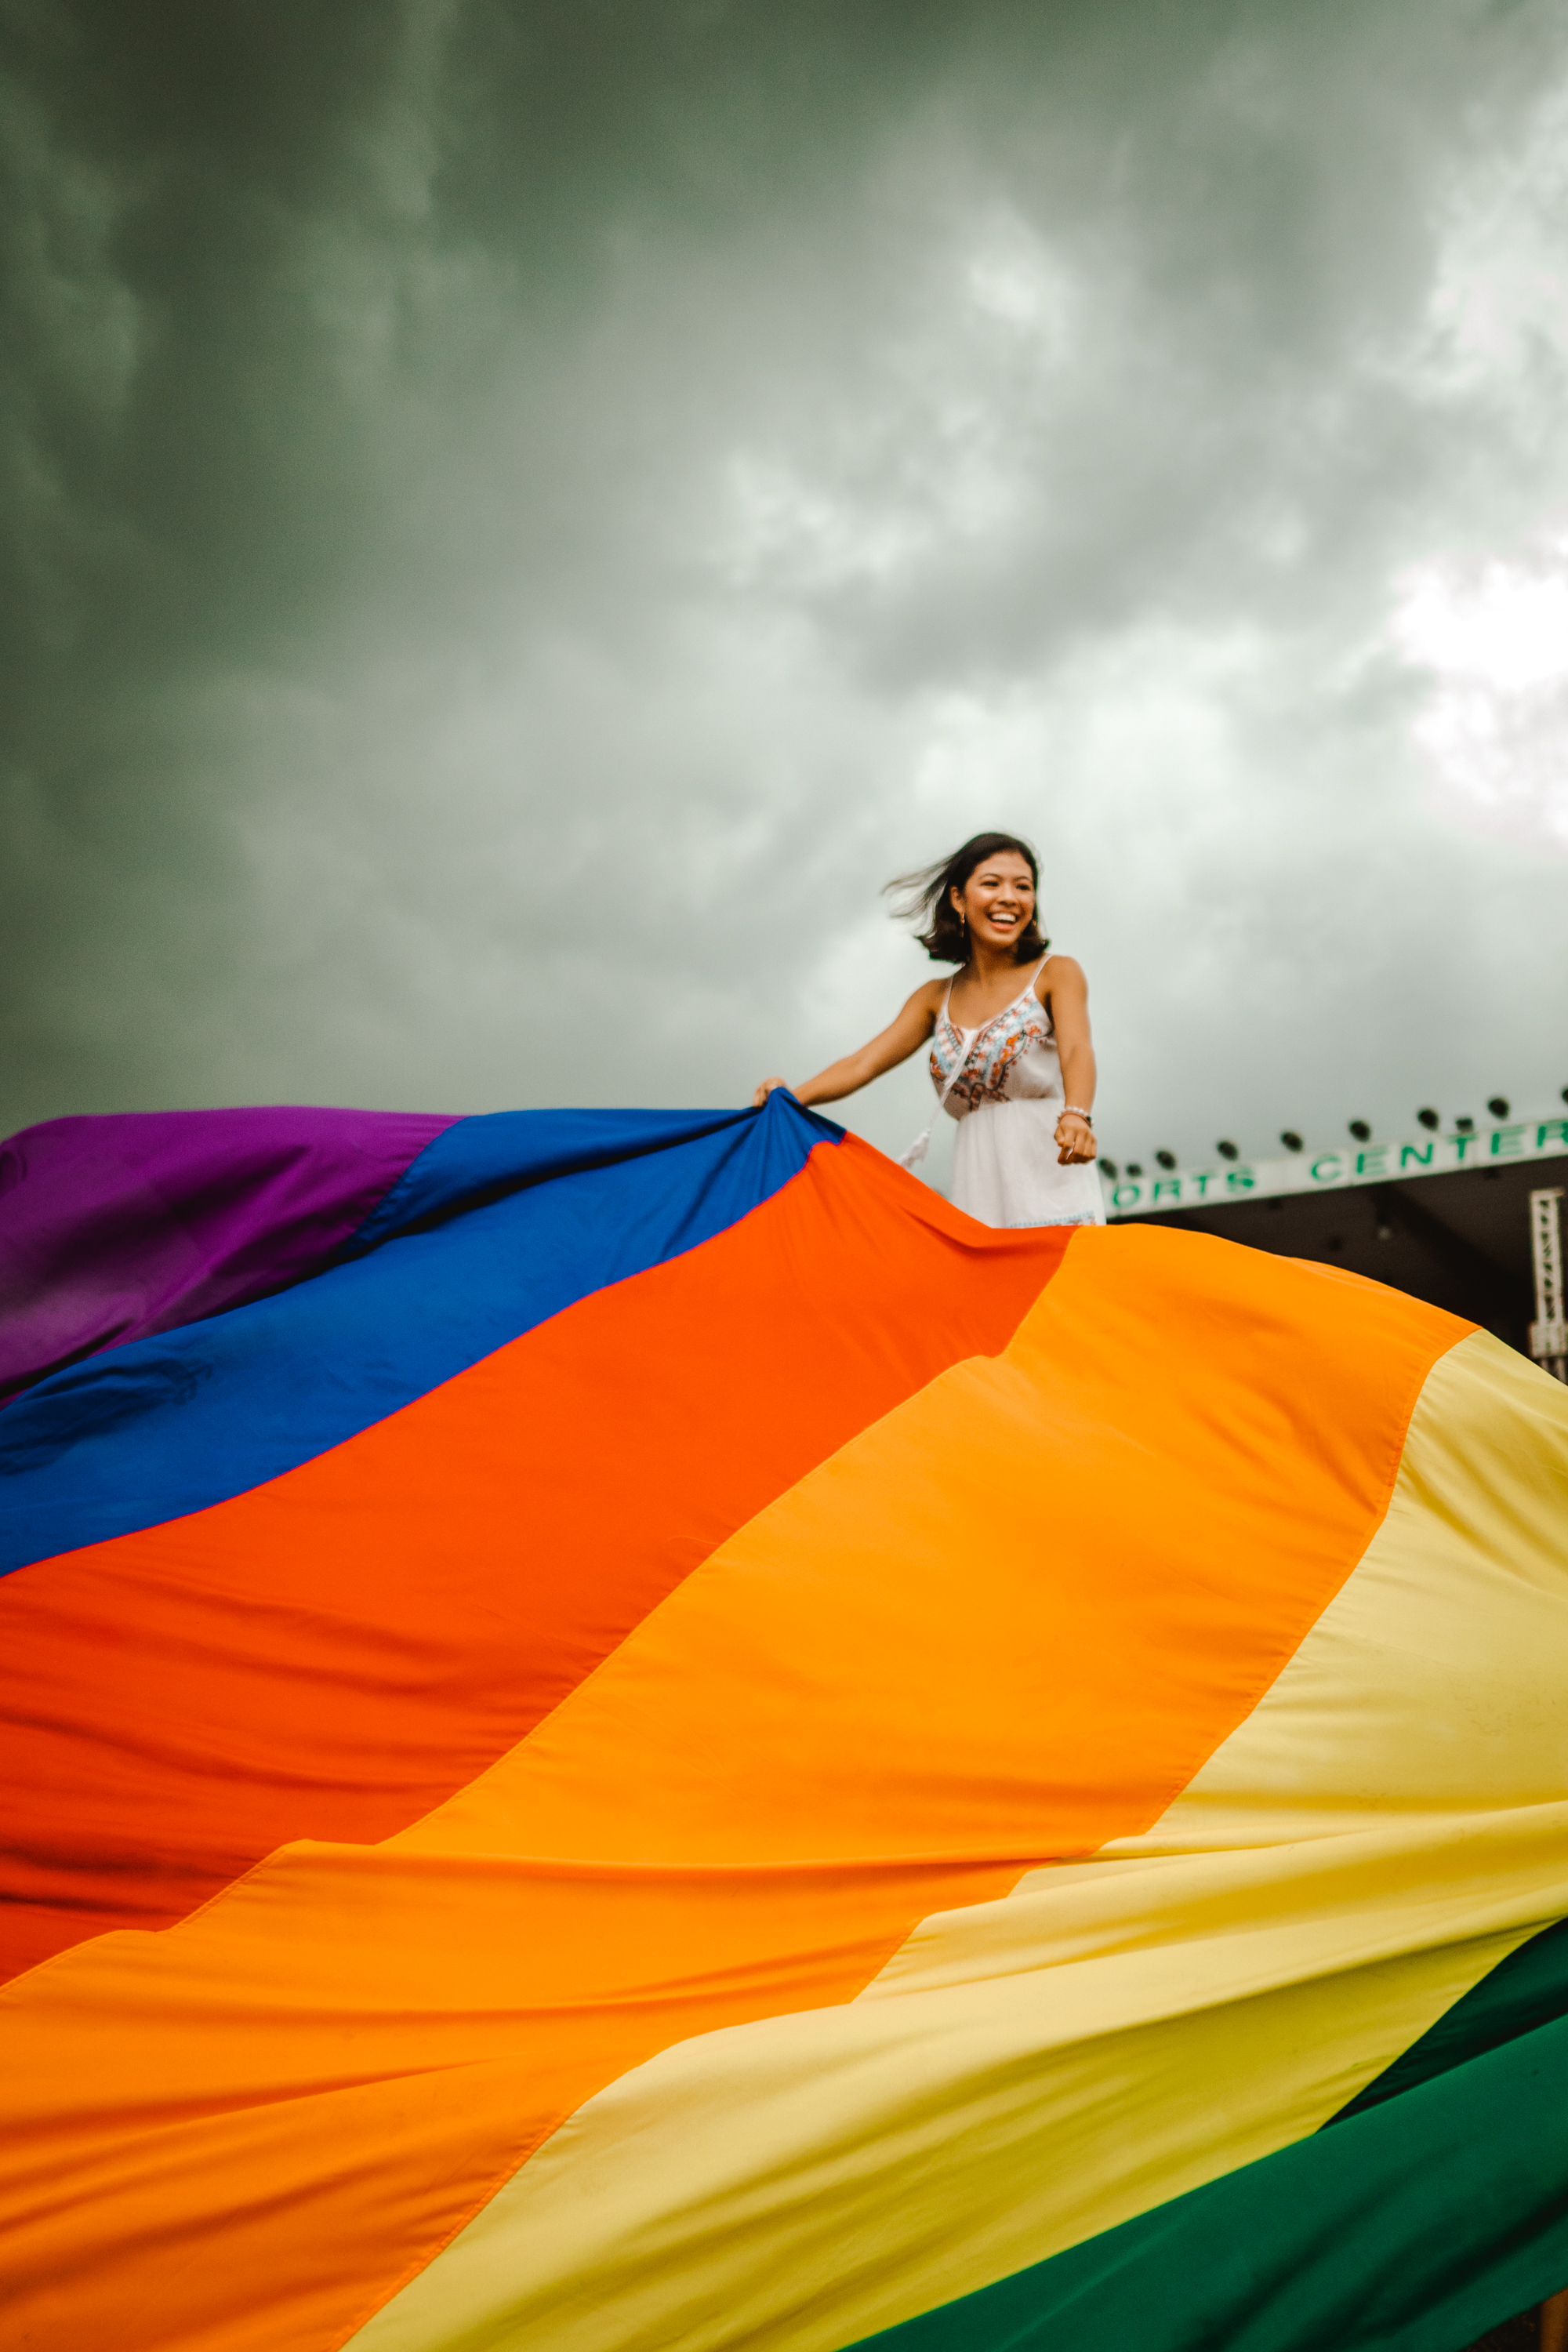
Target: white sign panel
1334,1171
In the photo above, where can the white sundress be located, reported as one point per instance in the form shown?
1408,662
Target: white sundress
1003,1082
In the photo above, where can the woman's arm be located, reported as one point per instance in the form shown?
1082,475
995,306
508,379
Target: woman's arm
901,1038
1068,994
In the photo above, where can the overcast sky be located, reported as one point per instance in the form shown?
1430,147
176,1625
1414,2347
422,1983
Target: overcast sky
526,513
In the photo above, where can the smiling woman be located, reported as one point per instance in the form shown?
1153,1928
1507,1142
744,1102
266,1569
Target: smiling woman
1014,1066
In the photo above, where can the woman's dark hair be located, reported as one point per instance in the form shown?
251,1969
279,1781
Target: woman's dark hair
926,894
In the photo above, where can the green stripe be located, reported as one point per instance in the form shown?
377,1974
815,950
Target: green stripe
1527,1989
1435,2206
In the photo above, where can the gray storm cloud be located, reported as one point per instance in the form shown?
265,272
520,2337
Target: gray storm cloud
523,517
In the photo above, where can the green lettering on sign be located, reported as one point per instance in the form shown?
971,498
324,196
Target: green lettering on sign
1239,1179
1333,1162
1420,1153
1552,1131
1172,1184
1507,1141
1363,1162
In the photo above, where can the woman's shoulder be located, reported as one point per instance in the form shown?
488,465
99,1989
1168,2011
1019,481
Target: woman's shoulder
1058,972
929,995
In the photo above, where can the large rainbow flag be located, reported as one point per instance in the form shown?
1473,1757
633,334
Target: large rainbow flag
624,1733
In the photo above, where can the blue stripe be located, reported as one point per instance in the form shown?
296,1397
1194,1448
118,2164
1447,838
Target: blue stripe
499,1222
484,1159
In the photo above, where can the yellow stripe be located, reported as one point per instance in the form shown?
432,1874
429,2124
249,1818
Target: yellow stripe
800,2182
803,2181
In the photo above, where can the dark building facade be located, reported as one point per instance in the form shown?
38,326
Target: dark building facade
1460,1239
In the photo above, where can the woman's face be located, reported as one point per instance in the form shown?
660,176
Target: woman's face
998,898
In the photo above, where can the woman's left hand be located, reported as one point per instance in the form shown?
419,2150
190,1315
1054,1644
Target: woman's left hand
1074,1140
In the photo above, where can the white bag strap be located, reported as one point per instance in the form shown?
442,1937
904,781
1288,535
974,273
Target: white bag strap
921,1144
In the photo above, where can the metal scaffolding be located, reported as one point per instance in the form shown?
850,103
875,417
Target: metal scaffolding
1549,1332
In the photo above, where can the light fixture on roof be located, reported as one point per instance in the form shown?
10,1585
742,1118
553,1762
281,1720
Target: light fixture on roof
1465,1126
1428,1117
1497,1105
1228,1151
1290,1140
1166,1158
1109,1167
1134,1168
1359,1129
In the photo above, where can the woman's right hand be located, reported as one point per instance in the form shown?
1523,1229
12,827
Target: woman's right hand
765,1089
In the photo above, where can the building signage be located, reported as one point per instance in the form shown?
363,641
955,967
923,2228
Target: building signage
1334,1171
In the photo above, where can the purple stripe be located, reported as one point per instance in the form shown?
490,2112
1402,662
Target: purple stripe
114,1227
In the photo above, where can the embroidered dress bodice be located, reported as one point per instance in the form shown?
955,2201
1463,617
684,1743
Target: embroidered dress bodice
1012,1057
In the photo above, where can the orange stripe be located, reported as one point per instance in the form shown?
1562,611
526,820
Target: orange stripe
331,1654
1001,1626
